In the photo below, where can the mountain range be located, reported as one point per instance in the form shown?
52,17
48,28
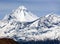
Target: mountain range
21,24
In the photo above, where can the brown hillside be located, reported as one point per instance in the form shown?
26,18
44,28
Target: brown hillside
7,41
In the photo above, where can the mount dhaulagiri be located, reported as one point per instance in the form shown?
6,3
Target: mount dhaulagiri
22,25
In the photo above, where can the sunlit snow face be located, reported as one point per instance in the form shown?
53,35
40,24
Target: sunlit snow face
22,14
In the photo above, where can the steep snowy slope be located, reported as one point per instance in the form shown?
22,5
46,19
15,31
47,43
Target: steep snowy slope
21,14
43,28
46,27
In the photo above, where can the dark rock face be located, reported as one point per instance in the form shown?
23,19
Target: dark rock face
7,41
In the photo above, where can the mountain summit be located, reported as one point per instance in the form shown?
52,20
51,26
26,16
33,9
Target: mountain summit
21,14
22,8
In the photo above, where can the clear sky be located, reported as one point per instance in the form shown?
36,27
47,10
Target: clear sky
38,7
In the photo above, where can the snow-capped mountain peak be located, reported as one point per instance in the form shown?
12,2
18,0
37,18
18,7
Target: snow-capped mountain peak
53,17
21,14
51,14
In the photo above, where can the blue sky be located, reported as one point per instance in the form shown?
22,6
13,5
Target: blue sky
38,7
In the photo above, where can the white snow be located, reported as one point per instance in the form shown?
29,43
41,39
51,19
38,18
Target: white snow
22,24
22,14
